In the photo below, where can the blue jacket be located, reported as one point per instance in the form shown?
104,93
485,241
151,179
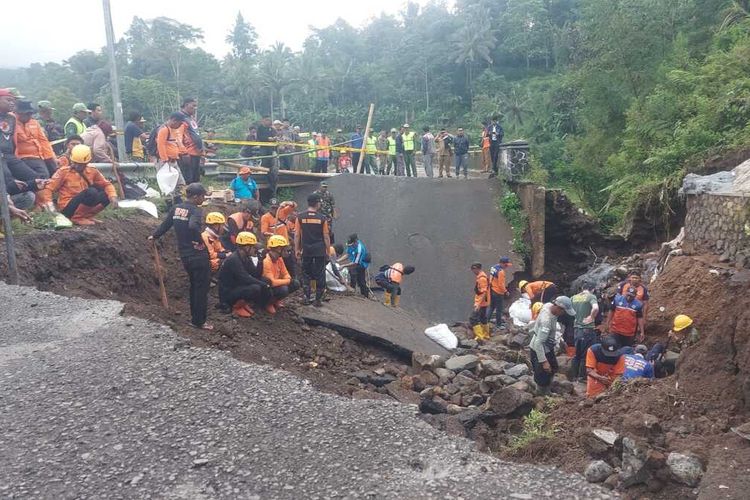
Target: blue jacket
636,366
357,140
243,190
357,254
461,144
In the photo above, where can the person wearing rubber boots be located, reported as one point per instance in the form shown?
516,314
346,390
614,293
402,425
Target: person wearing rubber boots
478,319
543,341
187,219
498,290
390,278
240,278
312,241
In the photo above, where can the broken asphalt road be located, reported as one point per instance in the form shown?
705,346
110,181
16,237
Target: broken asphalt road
97,405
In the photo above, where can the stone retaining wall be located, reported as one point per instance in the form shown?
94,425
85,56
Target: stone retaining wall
719,224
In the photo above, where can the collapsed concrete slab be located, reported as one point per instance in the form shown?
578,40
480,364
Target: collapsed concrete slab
369,321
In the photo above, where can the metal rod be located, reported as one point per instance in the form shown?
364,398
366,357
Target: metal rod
114,82
10,244
358,166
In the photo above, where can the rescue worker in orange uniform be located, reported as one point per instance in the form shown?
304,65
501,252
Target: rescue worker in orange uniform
82,191
32,145
212,238
478,320
276,274
486,159
244,220
169,148
539,291
604,364
498,290
270,223
71,142
390,278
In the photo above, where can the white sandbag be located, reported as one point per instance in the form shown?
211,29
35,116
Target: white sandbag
144,205
442,335
167,177
152,193
62,222
332,283
520,311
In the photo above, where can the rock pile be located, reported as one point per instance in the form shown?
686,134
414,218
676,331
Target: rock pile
639,459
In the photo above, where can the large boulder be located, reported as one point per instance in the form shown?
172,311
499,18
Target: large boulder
445,375
492,367
600,443
401,394
597,471
509,402
434,406
685,469
461,363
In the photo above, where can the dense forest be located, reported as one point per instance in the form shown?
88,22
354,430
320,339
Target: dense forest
618,98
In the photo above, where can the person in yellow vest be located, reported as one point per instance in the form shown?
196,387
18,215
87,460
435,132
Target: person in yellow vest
382,144
371,148
75,125
391,160
312,153
478,319
410,142
212,238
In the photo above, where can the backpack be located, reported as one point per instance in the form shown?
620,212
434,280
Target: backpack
151,143
132,190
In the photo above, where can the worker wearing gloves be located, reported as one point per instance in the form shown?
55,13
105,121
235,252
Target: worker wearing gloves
390,278
212,238
478,319
543,342
82,191
240,278
276,274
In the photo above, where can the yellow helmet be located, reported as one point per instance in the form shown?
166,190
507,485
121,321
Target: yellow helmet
215,218
536,307
80,154
246,238
681,322
522,284
277,241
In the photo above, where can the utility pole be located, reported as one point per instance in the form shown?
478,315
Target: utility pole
114,82
10,247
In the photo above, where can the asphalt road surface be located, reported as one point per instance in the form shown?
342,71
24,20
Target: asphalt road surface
97,405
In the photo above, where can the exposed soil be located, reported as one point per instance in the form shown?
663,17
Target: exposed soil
113,261
695,408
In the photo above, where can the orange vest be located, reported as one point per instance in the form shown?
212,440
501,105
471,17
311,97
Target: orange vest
214,247
481,290
31,141
395,273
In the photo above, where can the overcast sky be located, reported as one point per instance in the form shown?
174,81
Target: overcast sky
53,30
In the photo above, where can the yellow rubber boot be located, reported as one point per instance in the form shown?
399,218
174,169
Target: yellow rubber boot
478,333
396,300
387,298
486,328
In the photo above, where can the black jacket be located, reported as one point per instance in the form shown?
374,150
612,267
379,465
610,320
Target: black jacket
187,220
236,272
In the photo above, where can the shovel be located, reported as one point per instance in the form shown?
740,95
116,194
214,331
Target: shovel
159,274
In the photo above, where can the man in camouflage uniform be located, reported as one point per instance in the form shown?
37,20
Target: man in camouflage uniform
327,206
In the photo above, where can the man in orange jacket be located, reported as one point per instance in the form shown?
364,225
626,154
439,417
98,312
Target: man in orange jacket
243,221
82,191
212,238
276,274
32,145
498,290
478,320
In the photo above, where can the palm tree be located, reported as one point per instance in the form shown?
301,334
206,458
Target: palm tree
273,71
515,105
473,43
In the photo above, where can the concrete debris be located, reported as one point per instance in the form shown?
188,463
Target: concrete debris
421,361
460,363
597,471
685,469
492,367
735,182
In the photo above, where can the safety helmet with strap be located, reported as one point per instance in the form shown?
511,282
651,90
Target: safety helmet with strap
246,238
277,241
681,321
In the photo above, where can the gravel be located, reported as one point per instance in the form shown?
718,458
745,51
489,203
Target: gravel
97,405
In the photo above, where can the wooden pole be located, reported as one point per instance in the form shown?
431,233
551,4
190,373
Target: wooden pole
358,166
160,275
